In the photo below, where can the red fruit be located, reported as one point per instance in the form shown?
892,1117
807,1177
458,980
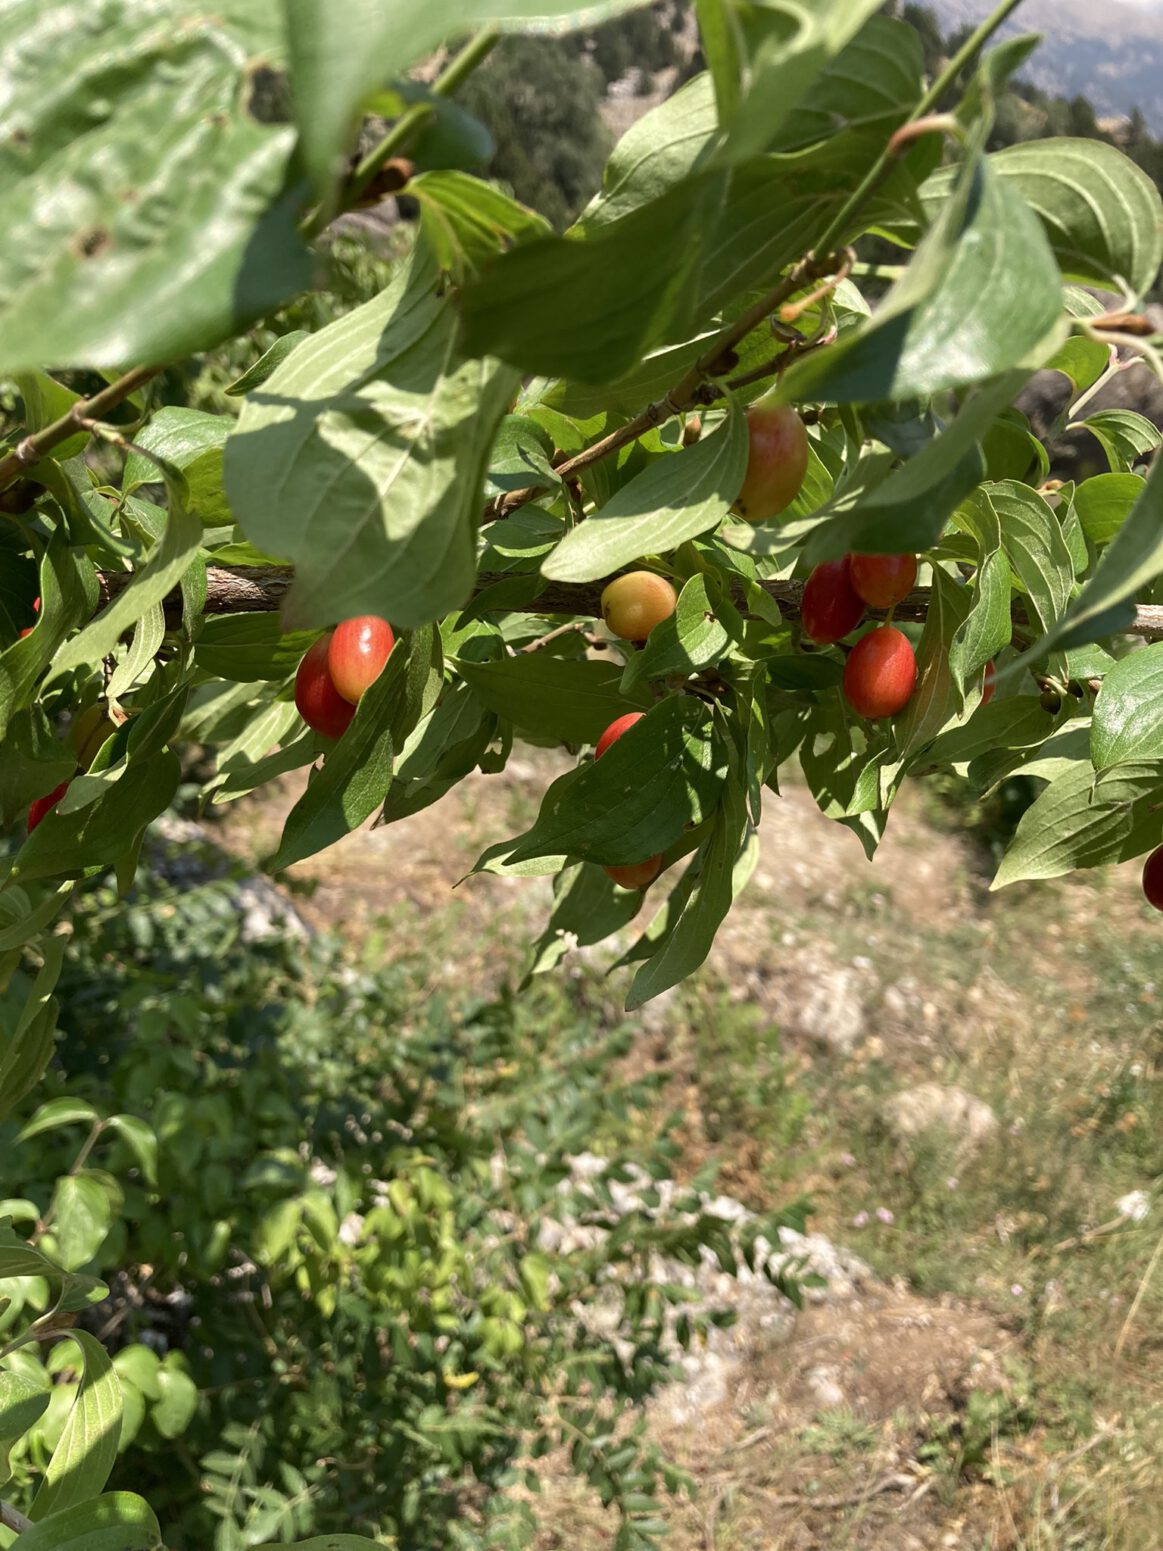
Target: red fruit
884,580
36,610
830,608
615,730
44,805
988,683
880,673
777,460
636,875
320,704
359,649
1153,879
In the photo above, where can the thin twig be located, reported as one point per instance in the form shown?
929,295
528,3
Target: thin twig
12,1518
573,627
33,448
1139,1296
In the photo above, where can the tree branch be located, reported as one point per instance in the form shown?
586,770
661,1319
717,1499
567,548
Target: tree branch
261,590
33,448
11,1518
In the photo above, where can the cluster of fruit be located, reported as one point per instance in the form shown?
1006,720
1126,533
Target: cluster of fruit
336,671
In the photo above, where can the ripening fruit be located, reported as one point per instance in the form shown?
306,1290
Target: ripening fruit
636,875
883,581
777,460
44,805
615,730
633,604
1153,879
29,628
988,683
880,673
320,704
830,608
358,651
88,732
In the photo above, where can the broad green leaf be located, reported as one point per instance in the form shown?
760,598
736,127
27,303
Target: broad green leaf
1128,714
87,1450
621,300
1035,546
247,648
116,1521
46,400
1083,819
340,57
520,456
26,1040
256,375
140,1140
193,442
586,909
981,293
1082,360
168,561
68,593
82,1213
1016,722
177,1403
467,221
357,771
661,777
35,761
104,266
1103,504
568,699
724,865
1131,561
1101,213
22,1404
1125,436
19,1258
362,459
692,638
675,498
57,1112
101,831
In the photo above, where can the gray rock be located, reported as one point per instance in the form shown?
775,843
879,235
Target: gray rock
833,1013
934,1107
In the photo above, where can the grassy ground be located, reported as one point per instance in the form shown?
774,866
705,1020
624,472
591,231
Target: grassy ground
1004,1390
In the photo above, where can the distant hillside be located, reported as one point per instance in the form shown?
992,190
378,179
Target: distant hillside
1110,51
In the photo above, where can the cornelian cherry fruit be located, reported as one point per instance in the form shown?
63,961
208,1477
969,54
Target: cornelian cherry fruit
615,730
881,673
320,704
988,683
777,461
883,581
636,875
830,608
43,806
633,604
1153,879
357,653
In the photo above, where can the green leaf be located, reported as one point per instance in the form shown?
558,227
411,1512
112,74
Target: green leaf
1103,504
68,593
468,221
190,441
661,777
981,293
247,648
140,1140
57,1112
692,638
22,1404
177,1403
622,297
117,1521
1132,560
362,459
937,698
1125,436
46,400
82,1214
1101,213
168,561
104,266
568,699
339,59
256,375
1015,722
675,498
1128,714
724,864
71,838
1086,820
586,908
28,1039
1035,546
323,1543
87,1450
357,771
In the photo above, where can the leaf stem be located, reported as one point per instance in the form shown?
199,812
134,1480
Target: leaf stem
413,119
33,448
